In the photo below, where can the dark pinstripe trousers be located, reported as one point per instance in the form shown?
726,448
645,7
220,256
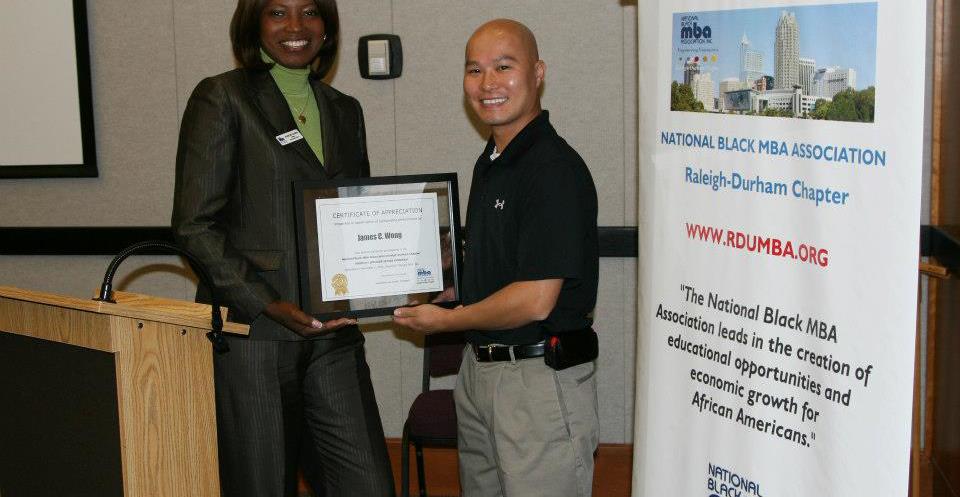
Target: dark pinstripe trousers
307,405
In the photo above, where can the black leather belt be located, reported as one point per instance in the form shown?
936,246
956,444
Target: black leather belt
491,353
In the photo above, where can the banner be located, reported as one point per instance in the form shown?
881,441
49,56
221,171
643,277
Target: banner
781,148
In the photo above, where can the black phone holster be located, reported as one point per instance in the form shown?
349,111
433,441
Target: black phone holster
564,350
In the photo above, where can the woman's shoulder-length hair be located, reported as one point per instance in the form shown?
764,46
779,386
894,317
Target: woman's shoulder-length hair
245,35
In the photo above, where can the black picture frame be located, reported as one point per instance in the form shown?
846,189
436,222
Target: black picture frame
88,168
308,245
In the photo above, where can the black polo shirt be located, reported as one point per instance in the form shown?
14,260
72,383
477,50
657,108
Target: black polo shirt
532,215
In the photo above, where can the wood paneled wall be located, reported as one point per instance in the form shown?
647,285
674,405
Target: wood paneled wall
942,454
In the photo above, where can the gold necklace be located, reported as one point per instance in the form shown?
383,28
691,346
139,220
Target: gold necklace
301,111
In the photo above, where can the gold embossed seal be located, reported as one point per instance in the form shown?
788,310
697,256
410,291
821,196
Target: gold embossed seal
340,284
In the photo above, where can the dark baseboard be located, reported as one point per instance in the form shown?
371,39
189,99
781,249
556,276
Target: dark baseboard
615,241
941,242
78,240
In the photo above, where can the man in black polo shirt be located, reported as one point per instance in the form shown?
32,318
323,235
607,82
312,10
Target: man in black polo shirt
525,428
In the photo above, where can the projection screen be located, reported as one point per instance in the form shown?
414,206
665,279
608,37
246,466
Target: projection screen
46,113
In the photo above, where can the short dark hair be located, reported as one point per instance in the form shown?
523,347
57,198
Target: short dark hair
245,35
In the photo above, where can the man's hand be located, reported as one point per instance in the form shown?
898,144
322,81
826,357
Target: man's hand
301,323
513,306
425,318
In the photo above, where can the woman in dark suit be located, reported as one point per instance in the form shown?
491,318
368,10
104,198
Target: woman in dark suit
295,395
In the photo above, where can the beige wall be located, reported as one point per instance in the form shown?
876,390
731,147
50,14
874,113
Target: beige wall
148,55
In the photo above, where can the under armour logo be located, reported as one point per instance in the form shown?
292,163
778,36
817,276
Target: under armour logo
498,204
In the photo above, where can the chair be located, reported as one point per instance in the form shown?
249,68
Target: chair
432,420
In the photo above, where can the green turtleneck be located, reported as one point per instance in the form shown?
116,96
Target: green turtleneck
295,86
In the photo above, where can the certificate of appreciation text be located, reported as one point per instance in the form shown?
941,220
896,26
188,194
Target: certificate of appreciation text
378,246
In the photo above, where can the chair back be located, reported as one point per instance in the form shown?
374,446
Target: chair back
442,354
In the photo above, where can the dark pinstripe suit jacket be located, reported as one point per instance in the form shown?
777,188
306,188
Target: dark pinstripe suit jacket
233,203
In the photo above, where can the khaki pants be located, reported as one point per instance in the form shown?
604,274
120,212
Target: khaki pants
525,430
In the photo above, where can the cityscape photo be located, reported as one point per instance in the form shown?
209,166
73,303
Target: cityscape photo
806,62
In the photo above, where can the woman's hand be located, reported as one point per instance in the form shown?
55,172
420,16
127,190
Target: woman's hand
301,323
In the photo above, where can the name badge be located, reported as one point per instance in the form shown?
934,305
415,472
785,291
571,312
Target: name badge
289,137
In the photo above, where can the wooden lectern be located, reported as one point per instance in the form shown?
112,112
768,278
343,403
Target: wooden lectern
101,399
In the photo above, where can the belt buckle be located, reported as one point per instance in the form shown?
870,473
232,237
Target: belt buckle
490,347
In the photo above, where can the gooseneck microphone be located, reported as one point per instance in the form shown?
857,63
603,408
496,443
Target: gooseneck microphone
216,321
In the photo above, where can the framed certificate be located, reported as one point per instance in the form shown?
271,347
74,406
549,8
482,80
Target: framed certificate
367,246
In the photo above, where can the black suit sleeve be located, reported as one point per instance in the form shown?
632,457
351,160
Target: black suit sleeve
362,140
205,200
